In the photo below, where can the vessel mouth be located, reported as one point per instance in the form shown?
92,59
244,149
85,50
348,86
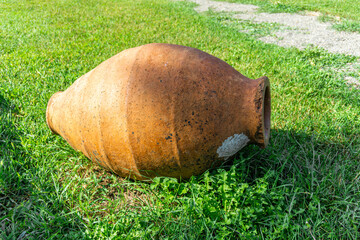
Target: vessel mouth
266,113
263,113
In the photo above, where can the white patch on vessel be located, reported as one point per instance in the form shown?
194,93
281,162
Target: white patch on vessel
232,145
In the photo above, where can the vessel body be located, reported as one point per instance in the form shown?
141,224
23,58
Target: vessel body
162,110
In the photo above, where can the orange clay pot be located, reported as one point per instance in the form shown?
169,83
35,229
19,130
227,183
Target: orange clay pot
162,110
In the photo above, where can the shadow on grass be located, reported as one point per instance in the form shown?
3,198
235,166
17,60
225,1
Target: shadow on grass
302,159
25,211
310,184
295,154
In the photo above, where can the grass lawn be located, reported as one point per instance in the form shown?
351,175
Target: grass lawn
305,185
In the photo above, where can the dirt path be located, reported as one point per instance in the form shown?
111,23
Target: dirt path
300,31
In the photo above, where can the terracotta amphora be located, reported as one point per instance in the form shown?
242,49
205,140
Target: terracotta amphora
162,110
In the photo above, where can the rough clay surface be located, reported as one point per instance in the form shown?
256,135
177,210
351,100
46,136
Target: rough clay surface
232,145
300,32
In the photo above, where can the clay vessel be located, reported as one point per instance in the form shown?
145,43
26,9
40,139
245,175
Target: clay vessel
162,110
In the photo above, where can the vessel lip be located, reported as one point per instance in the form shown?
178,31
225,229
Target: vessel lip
48,117
265,122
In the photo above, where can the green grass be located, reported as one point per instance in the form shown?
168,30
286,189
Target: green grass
346,25
344,14
306,183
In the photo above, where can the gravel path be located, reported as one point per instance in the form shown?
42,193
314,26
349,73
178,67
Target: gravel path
303,30
300,31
